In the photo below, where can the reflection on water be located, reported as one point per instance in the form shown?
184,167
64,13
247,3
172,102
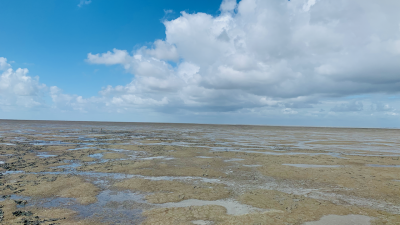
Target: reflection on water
96,155
105,208
376,165
232,207
13,172
45,155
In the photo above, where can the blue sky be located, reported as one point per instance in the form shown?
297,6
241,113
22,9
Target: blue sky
52,38
299,62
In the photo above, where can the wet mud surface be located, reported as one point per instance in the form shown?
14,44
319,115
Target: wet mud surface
138,173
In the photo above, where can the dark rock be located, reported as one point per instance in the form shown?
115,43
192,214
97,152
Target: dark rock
19,202
19,191
22,213
32,222
12,188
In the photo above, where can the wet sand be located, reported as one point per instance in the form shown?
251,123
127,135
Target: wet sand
55,172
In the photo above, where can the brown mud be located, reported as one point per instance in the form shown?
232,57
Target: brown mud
137,173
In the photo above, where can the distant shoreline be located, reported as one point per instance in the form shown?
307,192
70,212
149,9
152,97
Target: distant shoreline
199,124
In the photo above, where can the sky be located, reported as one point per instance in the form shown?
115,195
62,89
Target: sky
265,62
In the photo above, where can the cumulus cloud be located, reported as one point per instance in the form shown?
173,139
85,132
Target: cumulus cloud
17,89
68,102
288,111
282,58
382,107
257,53
163,51
110,58
307,6
3,64
228,5
352,106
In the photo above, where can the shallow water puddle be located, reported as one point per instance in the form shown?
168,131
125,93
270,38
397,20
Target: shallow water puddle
96,156
81,148
109,206
7,144
119,176
202,222
120,196
224,149
13,172
45,155
312,165
71,166
233,160
158,157
41,142
117,150
233,207
377,165
204,157
252,165
342,220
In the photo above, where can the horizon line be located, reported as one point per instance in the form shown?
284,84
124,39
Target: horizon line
183,123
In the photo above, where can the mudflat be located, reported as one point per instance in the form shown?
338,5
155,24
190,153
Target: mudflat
56,172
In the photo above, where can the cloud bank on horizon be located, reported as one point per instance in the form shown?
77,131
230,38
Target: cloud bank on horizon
304,58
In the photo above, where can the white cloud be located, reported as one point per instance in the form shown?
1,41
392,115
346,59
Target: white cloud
391,113
259,57
308,5
65,101
395,47
228,5
84,2
17,89
293,54
352,106
163,51
289,111
3,64
325,70
110,58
